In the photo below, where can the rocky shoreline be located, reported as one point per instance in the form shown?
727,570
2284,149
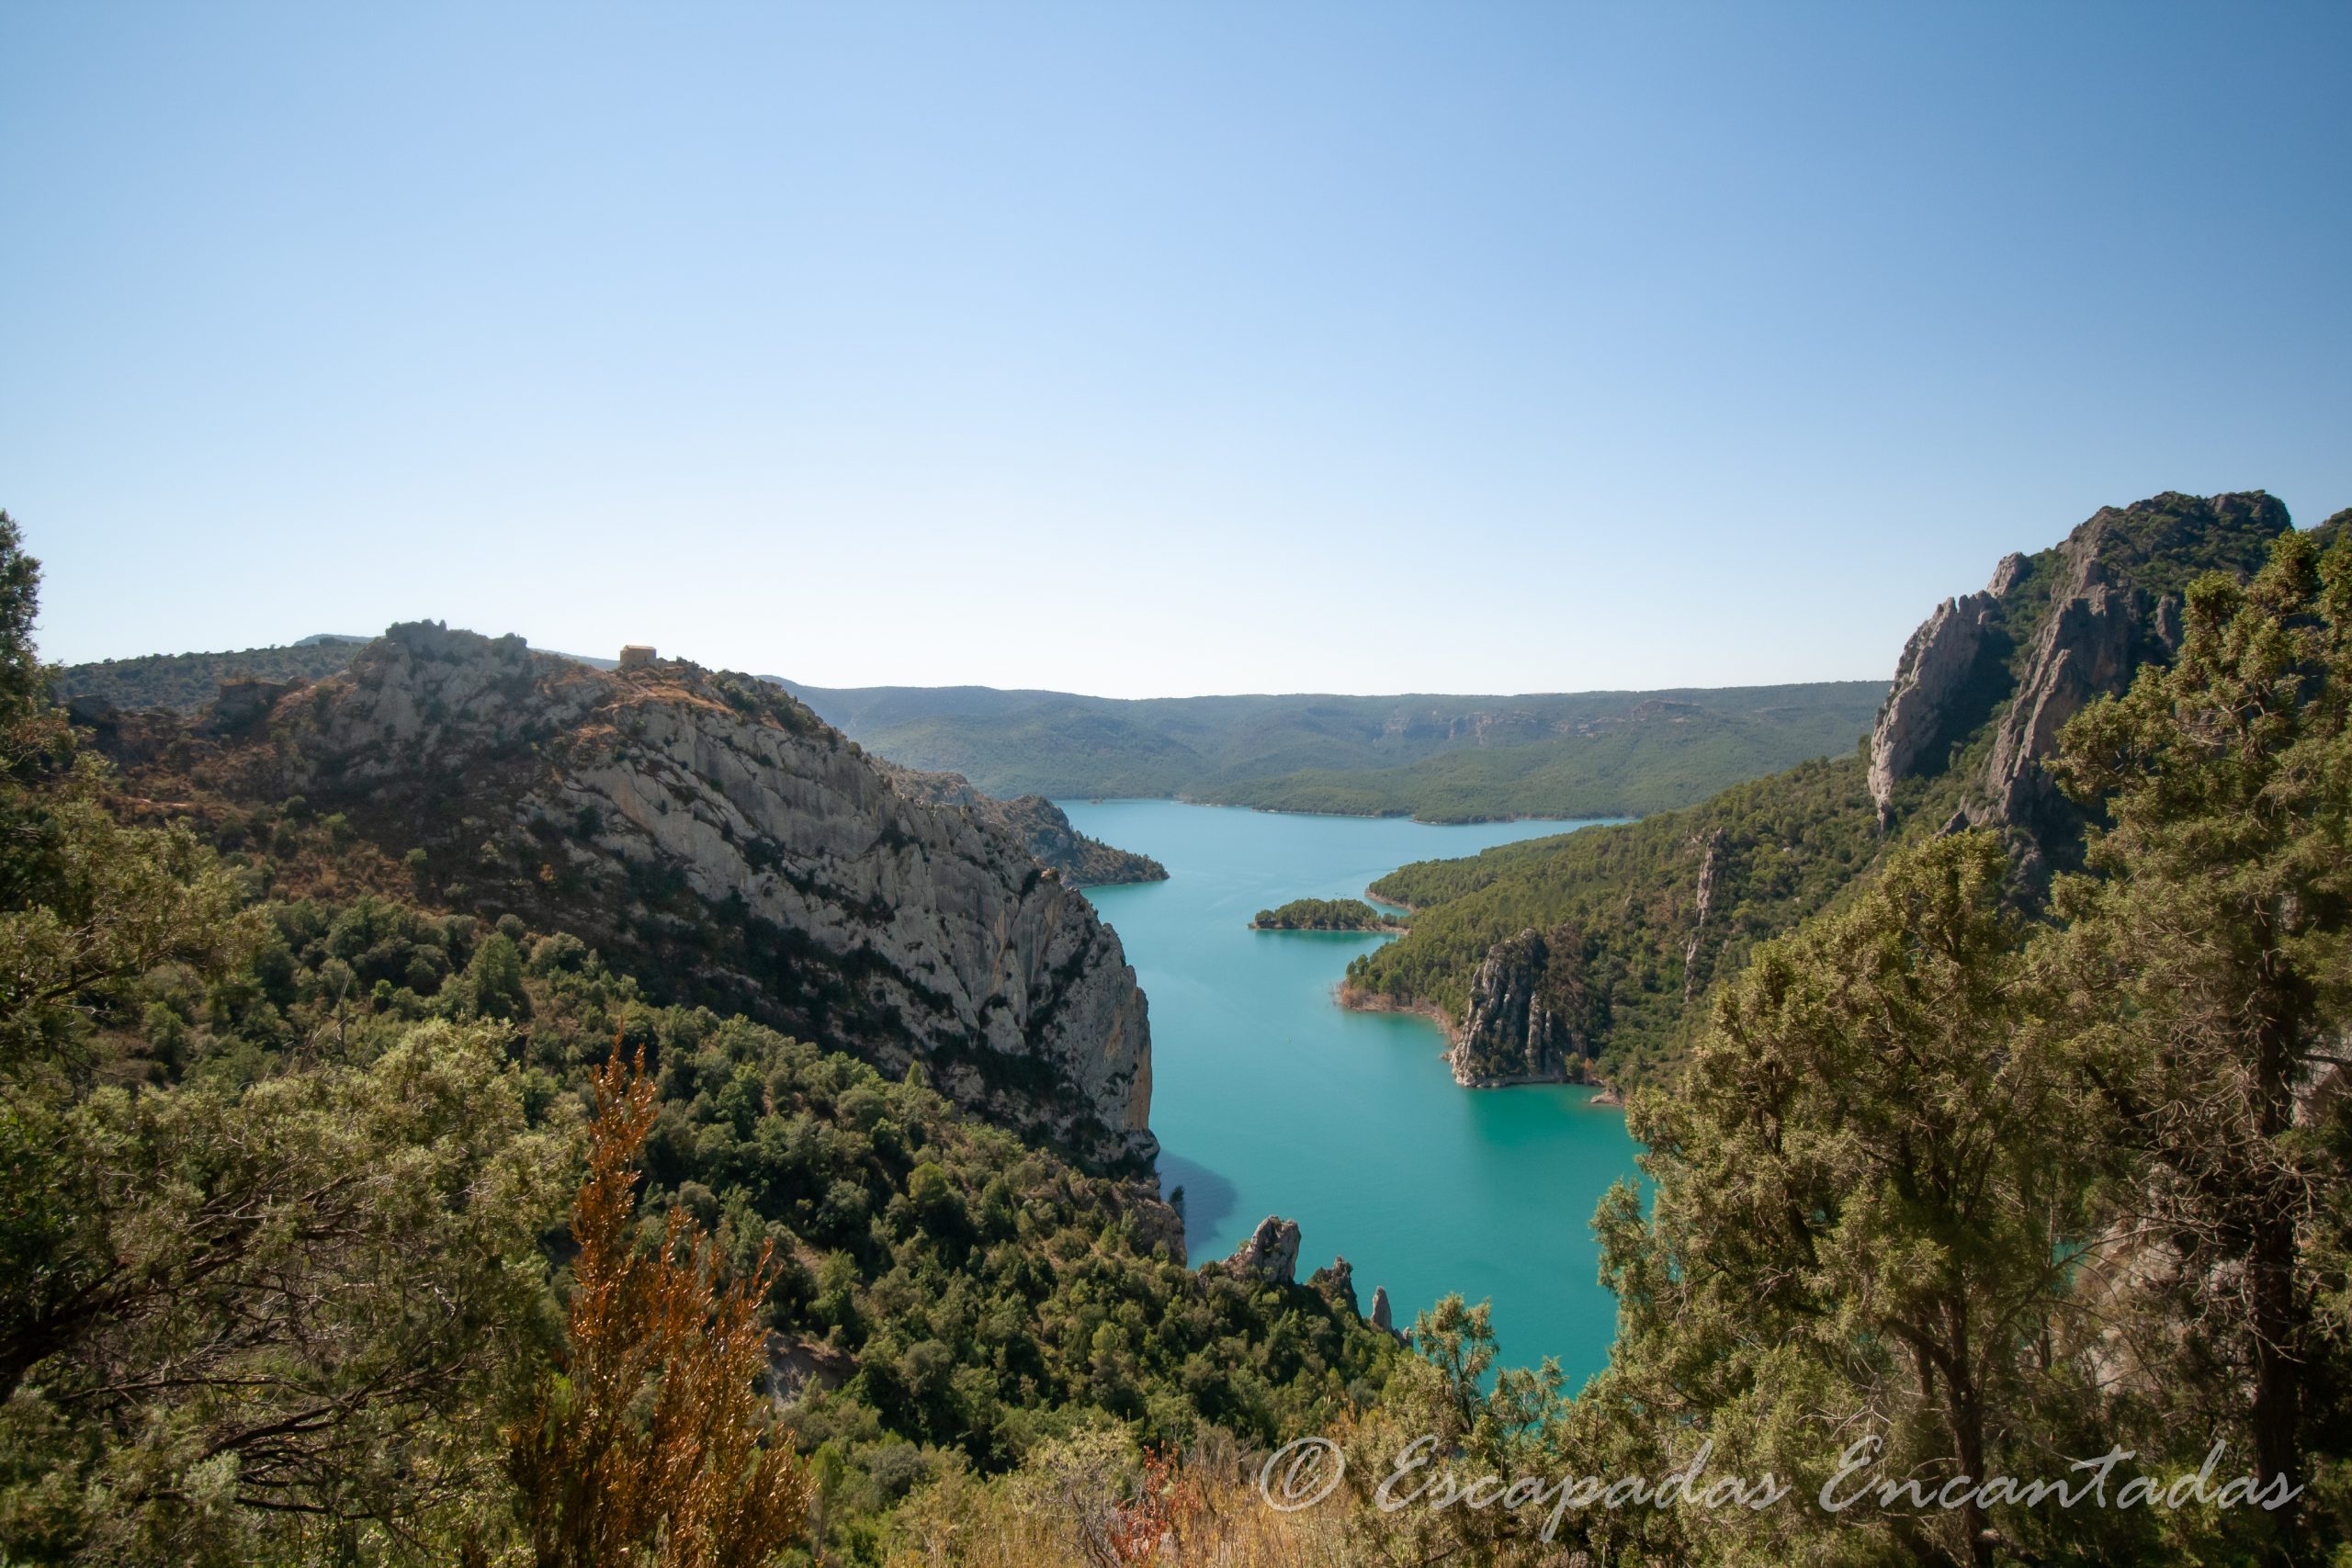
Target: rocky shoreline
1358,999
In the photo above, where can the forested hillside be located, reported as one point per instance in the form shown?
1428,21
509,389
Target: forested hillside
1783,848
296,1123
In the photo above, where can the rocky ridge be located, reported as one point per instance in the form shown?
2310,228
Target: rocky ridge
2047,636
1079,860
712,824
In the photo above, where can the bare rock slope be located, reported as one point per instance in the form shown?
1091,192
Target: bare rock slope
2049,636
1039,824
712,824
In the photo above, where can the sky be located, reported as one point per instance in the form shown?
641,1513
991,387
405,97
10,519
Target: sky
1149,350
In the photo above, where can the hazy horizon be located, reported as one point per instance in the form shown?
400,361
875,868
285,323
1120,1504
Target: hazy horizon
1354,350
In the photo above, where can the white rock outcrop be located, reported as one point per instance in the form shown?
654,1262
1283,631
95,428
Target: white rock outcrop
759,859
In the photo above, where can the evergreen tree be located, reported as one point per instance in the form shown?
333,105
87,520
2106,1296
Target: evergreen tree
2208,965
1865,1181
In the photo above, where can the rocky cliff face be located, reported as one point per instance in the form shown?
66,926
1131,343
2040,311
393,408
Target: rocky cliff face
1939,669
1714,849
1531,1018
714,826
1336,1284
1036,822
2051,635
1270,1255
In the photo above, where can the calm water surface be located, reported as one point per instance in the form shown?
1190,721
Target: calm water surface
1269,1098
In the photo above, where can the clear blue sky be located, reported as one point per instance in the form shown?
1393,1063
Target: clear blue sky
1150,348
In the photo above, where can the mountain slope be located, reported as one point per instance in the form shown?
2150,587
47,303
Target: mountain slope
1441,758
1636,921
187,682
707,830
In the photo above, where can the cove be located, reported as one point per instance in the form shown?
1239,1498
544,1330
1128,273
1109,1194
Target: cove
1271,1099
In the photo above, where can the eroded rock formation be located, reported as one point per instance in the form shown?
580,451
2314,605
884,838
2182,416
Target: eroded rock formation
2051,635
1531,1018
1712,850
1938,670
1271,1254
1336,1284
712,824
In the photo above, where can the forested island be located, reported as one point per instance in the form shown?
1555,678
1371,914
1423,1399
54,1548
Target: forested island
1326,915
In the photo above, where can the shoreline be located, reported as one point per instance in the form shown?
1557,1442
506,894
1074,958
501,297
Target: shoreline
1406,815
1357,1000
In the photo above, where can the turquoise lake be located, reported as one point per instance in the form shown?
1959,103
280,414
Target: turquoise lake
1271,1099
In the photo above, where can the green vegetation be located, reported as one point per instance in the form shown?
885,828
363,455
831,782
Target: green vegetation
338,1228
1437,757
1326,915
2013,1190
188,681
289,1158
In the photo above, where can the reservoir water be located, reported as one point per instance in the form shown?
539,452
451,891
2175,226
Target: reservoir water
1271,1099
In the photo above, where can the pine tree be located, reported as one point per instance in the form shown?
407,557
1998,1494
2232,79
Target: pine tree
2208,967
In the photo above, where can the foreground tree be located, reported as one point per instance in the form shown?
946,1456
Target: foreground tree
275,1319
244,1314
2208,967
1865,1184
647,1447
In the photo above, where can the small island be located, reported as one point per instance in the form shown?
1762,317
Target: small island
1326,915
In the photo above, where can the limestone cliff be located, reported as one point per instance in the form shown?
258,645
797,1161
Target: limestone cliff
1924,706
1531,1018
1040,824
712,824
2051,635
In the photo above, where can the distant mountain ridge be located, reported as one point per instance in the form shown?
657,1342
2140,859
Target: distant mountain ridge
1441,758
